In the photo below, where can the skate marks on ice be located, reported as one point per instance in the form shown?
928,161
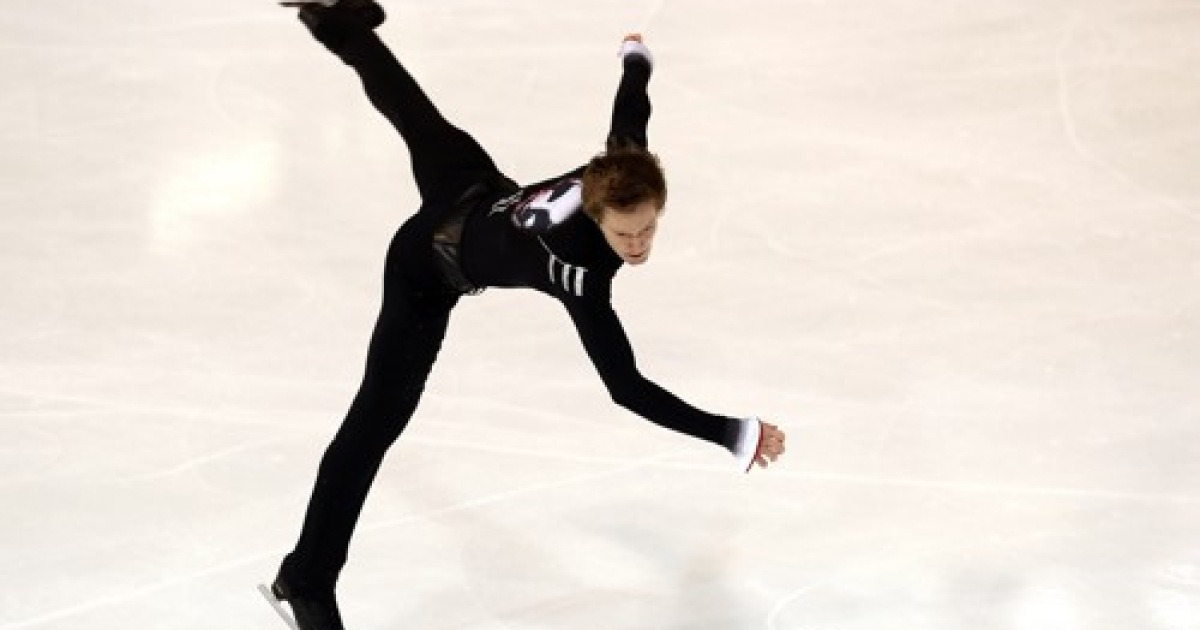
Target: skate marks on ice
1065,70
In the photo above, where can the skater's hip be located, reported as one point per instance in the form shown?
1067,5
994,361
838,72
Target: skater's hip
449,226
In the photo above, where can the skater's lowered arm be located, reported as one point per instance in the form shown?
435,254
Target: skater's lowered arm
750,440
608,347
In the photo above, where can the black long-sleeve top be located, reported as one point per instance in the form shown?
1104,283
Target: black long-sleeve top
539,238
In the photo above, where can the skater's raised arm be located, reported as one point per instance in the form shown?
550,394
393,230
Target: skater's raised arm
631,109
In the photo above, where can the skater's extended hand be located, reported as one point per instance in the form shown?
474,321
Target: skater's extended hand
632,45
770,446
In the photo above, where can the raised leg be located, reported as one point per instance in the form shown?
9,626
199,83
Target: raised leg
445,159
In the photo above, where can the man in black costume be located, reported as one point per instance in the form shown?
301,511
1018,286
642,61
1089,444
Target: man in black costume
565,237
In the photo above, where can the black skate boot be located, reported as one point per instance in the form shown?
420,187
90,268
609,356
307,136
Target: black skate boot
333,22
312,608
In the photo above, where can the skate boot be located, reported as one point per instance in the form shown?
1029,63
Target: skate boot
333,22
312,608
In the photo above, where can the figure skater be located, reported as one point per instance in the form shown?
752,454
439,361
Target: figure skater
565,237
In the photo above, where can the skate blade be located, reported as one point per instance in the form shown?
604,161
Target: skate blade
278,606
293,4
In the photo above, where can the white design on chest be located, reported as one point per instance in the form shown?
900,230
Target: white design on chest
550,206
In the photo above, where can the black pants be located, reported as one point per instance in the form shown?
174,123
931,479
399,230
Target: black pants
412,322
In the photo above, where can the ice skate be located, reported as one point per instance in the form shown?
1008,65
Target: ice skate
309,611
333,21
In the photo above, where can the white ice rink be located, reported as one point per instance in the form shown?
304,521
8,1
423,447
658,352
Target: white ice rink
952,247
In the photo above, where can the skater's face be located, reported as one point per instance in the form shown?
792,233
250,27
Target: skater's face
631,233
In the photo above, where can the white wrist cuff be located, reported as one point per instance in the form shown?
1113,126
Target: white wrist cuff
747,444
634,47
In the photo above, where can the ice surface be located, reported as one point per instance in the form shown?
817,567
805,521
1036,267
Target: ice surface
952,247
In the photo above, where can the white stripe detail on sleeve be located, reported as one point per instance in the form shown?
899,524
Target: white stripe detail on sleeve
579,271
630,47
749,439
571,278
